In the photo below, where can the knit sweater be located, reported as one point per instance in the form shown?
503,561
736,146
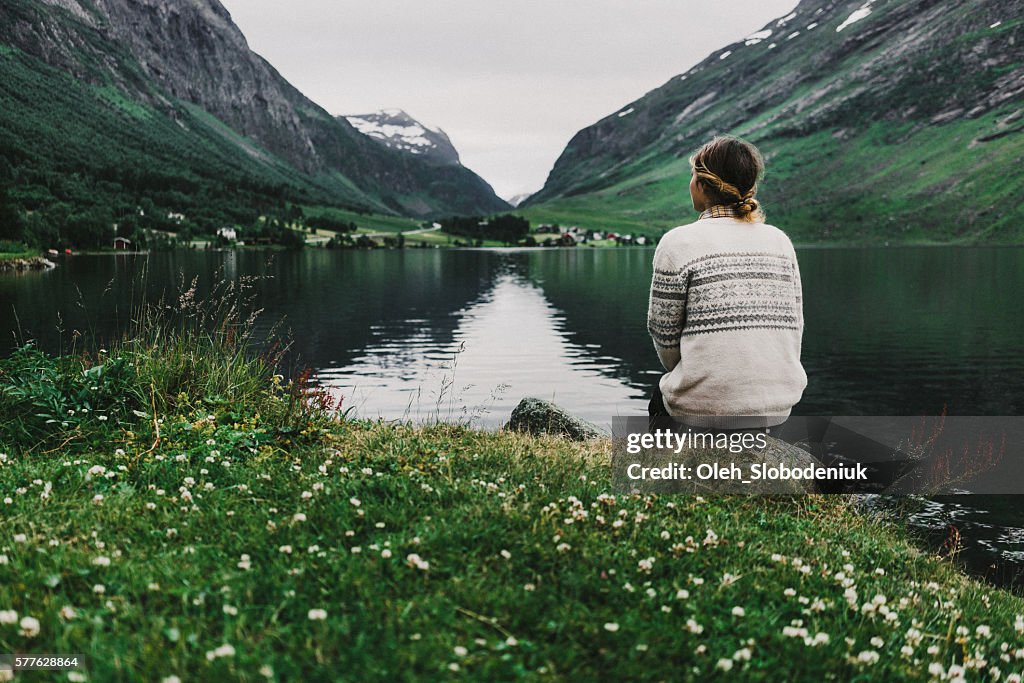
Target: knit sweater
726,317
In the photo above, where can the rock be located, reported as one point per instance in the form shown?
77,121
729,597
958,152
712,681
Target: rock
777,453
537,416
33,263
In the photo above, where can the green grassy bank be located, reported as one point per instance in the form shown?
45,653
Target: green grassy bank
171,509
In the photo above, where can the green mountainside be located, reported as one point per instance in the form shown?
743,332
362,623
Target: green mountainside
109,105
883,120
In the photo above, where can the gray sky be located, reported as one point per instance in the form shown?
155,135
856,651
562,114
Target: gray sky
510,82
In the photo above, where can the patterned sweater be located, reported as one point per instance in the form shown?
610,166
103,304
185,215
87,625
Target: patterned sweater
726,317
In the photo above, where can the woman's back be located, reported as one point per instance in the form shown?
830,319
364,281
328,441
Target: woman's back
726,315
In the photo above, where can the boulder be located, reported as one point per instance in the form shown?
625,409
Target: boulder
537,416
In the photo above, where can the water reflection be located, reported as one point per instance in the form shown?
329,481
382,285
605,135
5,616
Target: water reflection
508,344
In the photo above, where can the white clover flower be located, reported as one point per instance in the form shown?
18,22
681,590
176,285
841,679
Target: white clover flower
8,617
414,560
67,612
29,627
230,610
355,502
611,627
299,517
682,594
460,651
20,538
286,549
99,589
983,631
529,587
868,657
317,614
877,642
693,627
743,655
739,611
563,547
97,470
225,650
724,664
101,561
506,554
386,553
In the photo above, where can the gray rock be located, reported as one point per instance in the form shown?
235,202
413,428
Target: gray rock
537,416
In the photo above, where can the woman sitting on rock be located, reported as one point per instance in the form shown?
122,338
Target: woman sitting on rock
725,311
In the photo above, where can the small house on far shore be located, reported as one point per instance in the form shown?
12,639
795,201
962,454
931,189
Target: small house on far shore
228,233
122,243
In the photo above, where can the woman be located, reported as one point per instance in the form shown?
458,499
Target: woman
725,310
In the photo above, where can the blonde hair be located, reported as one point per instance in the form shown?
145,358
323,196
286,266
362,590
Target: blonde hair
729,169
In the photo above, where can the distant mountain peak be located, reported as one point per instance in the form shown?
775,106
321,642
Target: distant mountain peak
396,129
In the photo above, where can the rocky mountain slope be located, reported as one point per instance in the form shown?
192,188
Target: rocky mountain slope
395,129
178,74
879,120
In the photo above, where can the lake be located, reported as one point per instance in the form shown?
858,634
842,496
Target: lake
463,335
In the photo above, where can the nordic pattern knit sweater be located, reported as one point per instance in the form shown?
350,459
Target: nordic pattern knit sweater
726,317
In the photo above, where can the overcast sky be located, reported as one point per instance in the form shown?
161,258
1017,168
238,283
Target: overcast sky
509,81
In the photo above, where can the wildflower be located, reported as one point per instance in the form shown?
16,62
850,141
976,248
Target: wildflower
743,655
8,617
20,538
818,639
693,627
97,470
317,614
563,547
245,562
414,560
983,631
460,651
67,612
286,549
868,657
611,627
170,679
682,594
724,664
225,650
385,554
877,642
29,627
529,587
99,589
739,612
506,554
230,610
101,561
299,517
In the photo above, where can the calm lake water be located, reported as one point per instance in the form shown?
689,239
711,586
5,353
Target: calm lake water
464,334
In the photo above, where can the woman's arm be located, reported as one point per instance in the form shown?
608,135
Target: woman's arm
666,310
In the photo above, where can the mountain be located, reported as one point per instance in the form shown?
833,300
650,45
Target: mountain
163,100
879,120
395,129
518,199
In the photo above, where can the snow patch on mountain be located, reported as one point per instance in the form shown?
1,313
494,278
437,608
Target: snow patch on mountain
397,130
860,13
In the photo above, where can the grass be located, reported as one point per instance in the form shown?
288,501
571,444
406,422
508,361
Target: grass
179,510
